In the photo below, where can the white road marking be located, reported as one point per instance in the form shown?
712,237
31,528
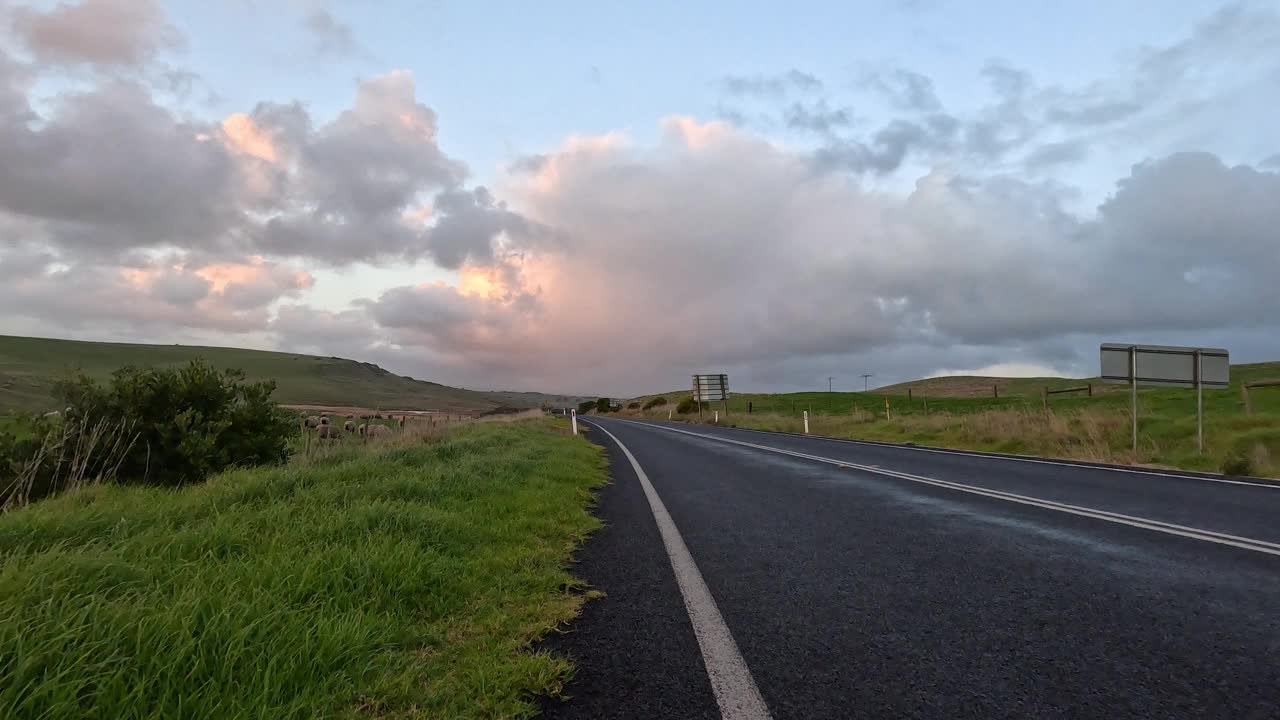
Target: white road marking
731,682
1019,458
1245,543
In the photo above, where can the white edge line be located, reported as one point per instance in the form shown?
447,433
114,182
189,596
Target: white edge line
735,690
1261,546
1010,458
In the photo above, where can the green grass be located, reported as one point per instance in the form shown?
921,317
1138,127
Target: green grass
1077,426
30,366
404,581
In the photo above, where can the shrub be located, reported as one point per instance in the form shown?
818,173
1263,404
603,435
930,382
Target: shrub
633,406
603,405
655,402
586,406
1237,462
688,405
189,422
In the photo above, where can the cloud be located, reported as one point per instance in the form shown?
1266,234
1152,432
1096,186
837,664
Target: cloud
757,85
817,117
157,295
1005,369
331,36
105,33
108,170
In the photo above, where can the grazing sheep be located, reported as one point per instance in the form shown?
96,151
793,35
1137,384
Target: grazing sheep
326,432
324,419
377,431
360,430
349,426
312,421
400,422
53,414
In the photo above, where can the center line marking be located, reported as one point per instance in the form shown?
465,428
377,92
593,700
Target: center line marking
1244,543
731,682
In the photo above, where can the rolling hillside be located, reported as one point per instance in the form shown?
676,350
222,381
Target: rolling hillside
30,366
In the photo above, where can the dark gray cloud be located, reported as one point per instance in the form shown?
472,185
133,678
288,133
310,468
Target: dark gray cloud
1271,163
758,85
469,223
906,89
330,35
106,33
111,169
817,117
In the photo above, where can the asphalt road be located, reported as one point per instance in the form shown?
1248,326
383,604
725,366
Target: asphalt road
796,577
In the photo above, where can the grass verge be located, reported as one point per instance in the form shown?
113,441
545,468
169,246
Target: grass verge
400,580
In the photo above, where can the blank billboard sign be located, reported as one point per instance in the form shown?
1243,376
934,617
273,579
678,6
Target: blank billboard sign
1165,365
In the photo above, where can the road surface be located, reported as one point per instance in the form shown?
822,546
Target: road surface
752,575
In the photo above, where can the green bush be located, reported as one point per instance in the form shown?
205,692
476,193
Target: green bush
188,422
586,406
603,405
656,402
1237,462
688,405
633,406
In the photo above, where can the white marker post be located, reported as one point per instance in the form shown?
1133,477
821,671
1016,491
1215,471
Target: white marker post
573,418
716,418
806,422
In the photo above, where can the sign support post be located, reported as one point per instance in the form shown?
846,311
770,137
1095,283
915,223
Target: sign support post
1133,395
1199,403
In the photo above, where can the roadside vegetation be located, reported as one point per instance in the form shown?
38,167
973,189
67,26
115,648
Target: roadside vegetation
966,414
403,577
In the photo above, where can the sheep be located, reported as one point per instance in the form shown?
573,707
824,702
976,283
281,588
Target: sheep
377,431
53,414
312,421
400,422
360,430
349,426
326,431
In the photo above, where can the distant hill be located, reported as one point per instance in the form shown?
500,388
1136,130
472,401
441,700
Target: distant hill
516,398
981,386
30,366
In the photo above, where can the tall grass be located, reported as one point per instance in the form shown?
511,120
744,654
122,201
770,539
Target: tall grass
71,455
402,579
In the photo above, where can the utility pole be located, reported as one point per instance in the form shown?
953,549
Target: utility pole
829,379
864,380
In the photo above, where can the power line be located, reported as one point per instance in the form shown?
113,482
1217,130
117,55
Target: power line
864,380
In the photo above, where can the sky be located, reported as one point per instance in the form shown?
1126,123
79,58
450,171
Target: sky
604,198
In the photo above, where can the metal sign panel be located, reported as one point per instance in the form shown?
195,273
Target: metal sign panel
1165,365
707,388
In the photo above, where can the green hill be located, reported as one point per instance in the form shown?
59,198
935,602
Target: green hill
30,366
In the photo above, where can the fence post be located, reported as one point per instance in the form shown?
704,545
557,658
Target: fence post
1090,389
995,391
908,394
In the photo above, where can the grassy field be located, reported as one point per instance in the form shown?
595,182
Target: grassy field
30,366
1019,421
402,580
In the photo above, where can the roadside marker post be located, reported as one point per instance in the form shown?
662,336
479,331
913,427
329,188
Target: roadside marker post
716,418
573,418
806,422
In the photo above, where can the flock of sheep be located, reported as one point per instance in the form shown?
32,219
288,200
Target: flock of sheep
326,431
